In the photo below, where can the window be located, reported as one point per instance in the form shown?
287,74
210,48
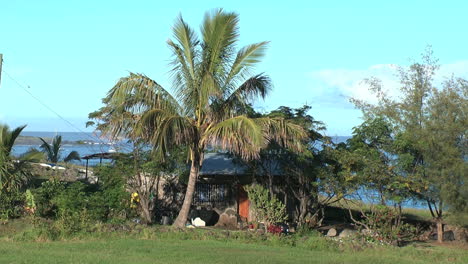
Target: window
207,194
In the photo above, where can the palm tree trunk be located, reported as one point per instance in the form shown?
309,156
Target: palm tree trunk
183,214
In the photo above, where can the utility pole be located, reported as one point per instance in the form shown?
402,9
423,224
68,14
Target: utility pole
1,62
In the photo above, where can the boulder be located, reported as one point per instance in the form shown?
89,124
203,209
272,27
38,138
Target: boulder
332,232
347,233
460,233
448,236
228,221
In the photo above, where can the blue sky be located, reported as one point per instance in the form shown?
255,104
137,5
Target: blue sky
70,53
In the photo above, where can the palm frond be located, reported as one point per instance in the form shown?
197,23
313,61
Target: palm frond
246,58
188,41
241,135
283,132
239,100
32,155
48,150
8,138
74,155
56,145
220,32
137,93
166,130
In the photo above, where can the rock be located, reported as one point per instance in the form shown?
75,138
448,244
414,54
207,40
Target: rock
347,233
460,233
449,236
228,221
230,212
332,232
166,220
198,222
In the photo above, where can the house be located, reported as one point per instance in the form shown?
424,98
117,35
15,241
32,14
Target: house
220,188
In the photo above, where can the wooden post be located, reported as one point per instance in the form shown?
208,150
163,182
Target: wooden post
1,62
86,177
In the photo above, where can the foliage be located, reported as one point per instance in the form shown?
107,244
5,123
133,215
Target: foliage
44,195
30,205
384,225
267,208
13,170
52,150
11,204
429,129
14,173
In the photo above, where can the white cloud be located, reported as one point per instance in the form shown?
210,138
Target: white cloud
350,83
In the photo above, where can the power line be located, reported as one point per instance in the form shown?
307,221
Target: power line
62,118
52,110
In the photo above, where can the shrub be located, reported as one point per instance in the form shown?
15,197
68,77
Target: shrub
44,196
384,226
11,204
268,209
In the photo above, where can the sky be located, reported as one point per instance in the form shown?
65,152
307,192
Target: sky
61,57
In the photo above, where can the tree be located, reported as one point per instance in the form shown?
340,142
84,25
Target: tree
212,86
52,151
430,134
14,174
300,169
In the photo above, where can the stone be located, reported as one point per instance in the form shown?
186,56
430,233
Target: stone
347,233
332,232
198,222
230,212
449,236
228,221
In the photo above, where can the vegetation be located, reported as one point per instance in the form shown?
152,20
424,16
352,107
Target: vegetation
52,151
14,174
149,244
428,128
212,87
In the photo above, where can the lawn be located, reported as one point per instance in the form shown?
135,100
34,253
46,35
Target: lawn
131,250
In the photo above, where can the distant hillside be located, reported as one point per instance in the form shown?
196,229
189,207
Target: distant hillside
28,140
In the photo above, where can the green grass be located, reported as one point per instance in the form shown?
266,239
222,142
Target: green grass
20,243
166,250
190,251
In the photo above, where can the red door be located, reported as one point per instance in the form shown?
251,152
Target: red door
244,203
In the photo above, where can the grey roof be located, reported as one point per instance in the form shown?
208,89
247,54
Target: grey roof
222,164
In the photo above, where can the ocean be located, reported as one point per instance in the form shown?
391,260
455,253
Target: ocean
94,143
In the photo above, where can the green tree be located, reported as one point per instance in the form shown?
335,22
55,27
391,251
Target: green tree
14,173
52,150
13,170
430,134
300,170
212,86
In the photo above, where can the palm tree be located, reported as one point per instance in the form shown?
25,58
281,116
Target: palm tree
213,90
13,171
52,151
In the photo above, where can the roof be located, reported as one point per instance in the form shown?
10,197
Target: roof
104,155
223,164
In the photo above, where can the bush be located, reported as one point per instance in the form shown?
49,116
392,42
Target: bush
385,227
268,209
44,196
11,204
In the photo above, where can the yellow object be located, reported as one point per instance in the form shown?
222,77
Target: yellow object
134,200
